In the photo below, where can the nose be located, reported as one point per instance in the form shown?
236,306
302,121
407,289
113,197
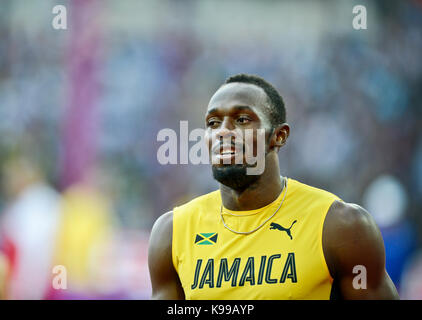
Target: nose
226,129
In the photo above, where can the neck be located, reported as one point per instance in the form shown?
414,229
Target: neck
259,194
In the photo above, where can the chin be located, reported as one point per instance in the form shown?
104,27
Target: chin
234,176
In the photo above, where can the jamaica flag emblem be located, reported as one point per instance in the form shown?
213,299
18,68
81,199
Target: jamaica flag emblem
206,238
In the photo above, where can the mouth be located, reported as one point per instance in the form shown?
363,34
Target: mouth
227,153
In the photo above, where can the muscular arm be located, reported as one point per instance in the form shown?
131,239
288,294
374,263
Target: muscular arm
351,238
3,273
164,279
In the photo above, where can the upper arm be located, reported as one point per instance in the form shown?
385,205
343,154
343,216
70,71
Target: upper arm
3,275
164,278
352,239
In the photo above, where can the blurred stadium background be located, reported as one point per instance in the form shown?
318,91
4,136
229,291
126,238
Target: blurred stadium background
80,110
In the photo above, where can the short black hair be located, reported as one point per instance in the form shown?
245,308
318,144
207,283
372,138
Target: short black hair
278,110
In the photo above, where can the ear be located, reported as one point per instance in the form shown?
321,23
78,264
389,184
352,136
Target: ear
279,136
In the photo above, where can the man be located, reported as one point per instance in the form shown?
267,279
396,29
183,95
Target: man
263,236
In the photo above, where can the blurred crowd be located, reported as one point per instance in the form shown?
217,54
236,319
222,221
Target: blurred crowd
80,110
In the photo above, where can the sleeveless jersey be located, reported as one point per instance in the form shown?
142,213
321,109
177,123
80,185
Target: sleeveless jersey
283,259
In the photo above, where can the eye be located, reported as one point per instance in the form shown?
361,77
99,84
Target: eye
243,120
213,122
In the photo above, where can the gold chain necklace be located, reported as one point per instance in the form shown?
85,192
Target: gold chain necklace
243,215
249,232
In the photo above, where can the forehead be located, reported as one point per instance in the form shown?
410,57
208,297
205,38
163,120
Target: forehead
239,94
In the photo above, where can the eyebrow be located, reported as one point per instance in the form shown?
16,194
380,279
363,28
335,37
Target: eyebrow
236,109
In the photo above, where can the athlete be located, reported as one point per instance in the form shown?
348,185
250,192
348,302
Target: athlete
263,236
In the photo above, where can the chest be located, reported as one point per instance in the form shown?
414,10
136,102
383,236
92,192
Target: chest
281,260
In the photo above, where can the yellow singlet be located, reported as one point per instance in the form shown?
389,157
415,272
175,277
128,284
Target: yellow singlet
281,260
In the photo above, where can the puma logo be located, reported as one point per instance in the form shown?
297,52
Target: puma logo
274,225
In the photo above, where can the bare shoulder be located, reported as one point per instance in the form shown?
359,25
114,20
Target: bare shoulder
164,279
350,235
348,220
161,233
352,239
346,213
164,222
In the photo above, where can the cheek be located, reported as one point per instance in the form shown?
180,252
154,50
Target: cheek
268,136
264,142
252,139
209,138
